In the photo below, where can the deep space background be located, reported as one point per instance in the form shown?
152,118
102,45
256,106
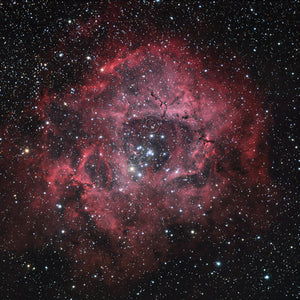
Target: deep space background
40,53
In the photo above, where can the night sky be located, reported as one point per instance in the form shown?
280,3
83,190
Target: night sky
149,150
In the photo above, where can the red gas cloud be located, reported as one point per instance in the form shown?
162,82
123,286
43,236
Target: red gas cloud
157,136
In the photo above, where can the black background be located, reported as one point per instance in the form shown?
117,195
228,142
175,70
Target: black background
264,35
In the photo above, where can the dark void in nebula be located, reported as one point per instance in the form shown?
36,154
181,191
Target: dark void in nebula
156,139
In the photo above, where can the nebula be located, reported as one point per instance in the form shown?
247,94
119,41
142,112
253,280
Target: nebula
157,142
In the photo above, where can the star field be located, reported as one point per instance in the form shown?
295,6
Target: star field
149,150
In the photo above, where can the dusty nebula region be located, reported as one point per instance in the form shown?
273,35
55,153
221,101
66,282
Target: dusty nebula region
157,142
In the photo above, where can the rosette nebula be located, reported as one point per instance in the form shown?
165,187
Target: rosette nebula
158,149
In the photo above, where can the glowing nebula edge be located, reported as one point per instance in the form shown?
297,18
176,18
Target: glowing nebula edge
156,137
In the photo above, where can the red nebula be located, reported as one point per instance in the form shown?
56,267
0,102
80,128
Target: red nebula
156,136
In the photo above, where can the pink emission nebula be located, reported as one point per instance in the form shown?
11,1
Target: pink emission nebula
156,136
